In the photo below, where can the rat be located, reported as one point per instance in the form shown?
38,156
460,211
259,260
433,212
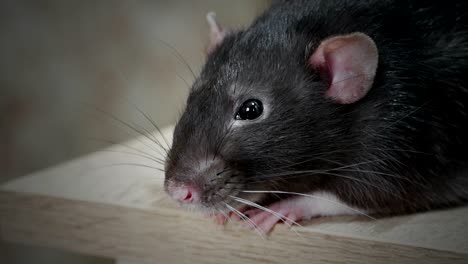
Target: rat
328,107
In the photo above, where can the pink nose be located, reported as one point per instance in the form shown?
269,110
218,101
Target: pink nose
184,194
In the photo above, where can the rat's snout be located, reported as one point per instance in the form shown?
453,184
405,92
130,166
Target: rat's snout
200,184
184,193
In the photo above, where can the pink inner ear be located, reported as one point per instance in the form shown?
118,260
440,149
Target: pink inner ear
349,63
217,33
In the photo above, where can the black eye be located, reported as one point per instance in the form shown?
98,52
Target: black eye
249,110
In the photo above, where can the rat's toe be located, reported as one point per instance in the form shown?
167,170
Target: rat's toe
220,219
268,223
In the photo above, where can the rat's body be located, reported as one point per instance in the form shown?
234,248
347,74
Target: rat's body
395,143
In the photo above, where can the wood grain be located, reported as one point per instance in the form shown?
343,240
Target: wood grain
173,236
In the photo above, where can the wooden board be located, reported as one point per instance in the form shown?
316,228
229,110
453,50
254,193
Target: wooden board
102,205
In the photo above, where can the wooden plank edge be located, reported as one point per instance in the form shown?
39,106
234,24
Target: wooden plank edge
170,236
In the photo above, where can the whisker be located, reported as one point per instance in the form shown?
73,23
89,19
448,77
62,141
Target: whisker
183,79
233,176
223,171
291,173
222,141
256,205
124,79
400,150
178,56
115,118
356,180
223,213
385,174
245,218
407,115
150,147
331,161
366,183
156,127
128,164
126,146
315,197
319,156
281,217
160,162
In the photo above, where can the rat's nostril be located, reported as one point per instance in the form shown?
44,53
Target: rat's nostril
188,196
185,194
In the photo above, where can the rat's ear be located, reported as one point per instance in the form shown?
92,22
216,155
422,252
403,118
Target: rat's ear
349,63
217,32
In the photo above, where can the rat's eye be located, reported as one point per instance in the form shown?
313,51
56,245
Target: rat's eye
249,110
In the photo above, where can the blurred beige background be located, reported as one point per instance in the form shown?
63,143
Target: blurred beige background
59,59
59,56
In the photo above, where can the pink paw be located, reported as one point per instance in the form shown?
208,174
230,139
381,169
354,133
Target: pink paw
294,209
285,211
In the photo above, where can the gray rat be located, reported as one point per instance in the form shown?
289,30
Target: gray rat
327,108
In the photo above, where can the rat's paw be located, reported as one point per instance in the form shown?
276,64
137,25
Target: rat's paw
295,209
264,220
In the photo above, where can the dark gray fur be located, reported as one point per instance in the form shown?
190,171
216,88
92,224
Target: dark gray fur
409,135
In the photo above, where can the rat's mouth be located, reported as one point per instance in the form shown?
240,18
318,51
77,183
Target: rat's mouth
233,201
224,190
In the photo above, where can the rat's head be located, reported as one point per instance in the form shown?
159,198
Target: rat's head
263,107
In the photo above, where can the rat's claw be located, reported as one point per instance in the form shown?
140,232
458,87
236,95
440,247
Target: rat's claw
220,219
257,215
285,211
237,217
